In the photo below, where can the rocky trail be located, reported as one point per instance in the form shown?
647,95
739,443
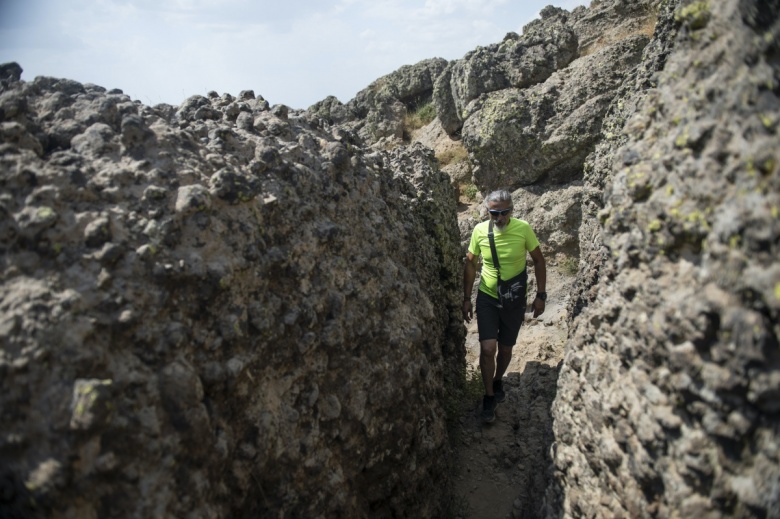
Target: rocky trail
154,258
502,465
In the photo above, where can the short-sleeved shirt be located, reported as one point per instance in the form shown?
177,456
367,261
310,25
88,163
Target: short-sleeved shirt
512,244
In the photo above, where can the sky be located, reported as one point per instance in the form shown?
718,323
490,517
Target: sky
293,52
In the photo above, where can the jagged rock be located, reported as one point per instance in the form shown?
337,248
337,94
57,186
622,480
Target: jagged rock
547,45
608,21
377,112
556,214
10,72
543,133
331,109
663,404
260,304
218,309
15,133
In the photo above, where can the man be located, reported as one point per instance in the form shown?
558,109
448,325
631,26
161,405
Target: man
498,326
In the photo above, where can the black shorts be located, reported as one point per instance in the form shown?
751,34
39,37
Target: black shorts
495,322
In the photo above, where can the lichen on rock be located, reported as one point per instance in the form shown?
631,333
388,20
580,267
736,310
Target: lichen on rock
248,319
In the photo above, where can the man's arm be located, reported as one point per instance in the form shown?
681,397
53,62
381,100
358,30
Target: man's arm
469,274
540,269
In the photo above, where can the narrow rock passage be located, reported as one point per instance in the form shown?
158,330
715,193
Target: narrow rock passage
503,466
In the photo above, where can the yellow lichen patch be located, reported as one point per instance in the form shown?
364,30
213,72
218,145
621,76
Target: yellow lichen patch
768,121
698,218
777,291
85,397
695,219
768,166
654,226
695,15
45,212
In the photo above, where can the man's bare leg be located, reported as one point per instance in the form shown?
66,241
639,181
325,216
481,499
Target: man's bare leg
487,363
502,363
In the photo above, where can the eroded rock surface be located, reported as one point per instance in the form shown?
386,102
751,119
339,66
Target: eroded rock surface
667,397
377,112
221,309
231,308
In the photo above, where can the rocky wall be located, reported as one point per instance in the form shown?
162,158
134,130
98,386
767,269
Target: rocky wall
221,309
667,402
378,112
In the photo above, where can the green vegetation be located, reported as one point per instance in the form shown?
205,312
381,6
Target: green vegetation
570,265
695,16
462,395
470,191
419,118
426,113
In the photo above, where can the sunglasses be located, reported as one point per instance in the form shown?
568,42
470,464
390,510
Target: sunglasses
502,212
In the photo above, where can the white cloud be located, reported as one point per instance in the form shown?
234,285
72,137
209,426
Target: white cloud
295,52
448,7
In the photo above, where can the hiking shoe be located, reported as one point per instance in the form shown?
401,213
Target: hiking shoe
488,408
498,391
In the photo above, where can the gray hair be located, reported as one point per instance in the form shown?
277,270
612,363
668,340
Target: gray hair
499,195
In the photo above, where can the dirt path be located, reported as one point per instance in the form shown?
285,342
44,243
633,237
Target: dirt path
502,465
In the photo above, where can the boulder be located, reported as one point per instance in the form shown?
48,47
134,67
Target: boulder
377,112
206,314
547,44
522,136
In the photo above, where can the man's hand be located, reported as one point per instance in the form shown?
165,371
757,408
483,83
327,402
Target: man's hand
467,310
538,306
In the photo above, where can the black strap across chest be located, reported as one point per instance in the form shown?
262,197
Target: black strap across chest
493,251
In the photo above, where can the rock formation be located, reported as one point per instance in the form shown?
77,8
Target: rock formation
667,402
228,308
221,309
377,112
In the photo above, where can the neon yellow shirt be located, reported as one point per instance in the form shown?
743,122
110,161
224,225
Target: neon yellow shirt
512,244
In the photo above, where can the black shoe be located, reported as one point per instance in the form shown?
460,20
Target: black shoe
488,408
498,391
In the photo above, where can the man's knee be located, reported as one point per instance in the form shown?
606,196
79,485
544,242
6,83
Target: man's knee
504,349
488,347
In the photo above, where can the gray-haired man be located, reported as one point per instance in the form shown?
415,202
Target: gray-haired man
498,324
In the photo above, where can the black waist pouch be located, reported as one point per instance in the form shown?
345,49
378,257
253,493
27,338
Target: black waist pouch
512,292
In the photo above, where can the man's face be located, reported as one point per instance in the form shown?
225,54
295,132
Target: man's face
500,212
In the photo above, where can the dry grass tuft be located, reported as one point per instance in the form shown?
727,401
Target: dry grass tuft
454,155
645,27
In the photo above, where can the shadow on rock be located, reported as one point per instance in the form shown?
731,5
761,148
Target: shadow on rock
530,397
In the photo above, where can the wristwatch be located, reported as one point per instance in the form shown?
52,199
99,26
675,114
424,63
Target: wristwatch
542,296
